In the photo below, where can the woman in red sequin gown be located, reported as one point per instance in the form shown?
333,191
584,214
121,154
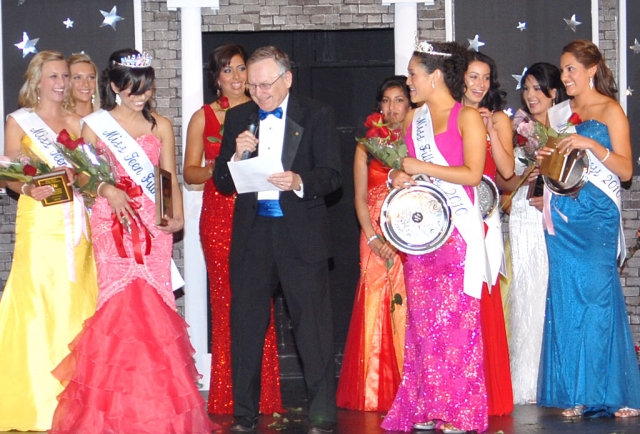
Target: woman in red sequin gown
228,79
483,93
374,353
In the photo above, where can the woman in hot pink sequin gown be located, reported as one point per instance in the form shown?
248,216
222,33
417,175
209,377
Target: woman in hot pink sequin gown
131,368
443,380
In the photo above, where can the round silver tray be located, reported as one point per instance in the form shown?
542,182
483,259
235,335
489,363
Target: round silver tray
578,177
417,219
488,196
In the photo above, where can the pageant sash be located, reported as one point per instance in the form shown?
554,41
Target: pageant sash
466,215
601,177
495,248
133,159
43,139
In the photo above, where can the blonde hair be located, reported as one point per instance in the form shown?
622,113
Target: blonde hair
28,96
84,58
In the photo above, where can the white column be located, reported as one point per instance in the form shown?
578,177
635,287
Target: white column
404,33
194,266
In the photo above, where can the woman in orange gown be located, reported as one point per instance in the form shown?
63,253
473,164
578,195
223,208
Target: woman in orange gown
374,351
228,76
483,93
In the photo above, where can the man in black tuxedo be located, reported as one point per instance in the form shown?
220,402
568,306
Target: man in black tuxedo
281,236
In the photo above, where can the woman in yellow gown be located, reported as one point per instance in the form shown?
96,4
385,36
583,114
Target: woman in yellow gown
52,287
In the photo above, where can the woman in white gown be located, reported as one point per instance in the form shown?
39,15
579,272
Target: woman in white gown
541,88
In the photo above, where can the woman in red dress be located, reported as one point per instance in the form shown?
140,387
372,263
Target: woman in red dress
482,92
228,76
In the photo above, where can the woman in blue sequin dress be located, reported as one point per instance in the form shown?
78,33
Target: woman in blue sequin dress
588,363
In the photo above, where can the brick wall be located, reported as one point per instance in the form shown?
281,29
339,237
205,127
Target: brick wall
161,33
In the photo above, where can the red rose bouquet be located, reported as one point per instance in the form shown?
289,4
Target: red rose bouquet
22,169
383,143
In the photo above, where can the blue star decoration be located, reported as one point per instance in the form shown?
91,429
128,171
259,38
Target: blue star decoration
518,78
111,18
572,23
521,26
475,44
635,47
68,23
508,111
27,45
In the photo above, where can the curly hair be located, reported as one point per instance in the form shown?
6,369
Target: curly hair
452,67
548,78
220,58
139,80
84,58
494,99
588,55
28,95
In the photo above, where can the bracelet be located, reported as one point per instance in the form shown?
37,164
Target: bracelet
22,189
98,189
373,237
606,156
389,186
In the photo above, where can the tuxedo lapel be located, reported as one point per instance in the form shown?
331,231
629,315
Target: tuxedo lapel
292,133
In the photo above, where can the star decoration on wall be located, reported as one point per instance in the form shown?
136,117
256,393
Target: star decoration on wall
21,2
635,47
629,91
475,44
521,26
27,45
111,18
68,23
572,23
508,111
518,78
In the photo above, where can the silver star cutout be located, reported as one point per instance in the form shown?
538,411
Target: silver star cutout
68,23
629,91
21,2
572,23
508,111
475,44
27,45
110,18
521,26
635,47
518,78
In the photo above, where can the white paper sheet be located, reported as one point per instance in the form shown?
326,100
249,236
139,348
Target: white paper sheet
251,175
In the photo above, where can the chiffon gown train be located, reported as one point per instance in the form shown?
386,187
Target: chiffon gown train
41,310
374,353
215,234
131,369
587,350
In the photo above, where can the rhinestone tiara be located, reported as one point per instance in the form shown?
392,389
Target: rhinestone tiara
138,61
427,48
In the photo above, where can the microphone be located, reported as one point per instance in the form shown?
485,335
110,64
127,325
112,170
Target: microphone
252,127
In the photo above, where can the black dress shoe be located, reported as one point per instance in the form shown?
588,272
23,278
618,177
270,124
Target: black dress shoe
322,428
244,424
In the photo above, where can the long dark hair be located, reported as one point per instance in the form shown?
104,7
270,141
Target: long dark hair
220,58
399,81
452,67
139,79
588,54
548,78
494,99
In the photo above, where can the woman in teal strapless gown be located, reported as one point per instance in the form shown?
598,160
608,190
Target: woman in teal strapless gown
588,362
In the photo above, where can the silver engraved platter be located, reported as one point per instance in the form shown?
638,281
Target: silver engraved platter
577,178
417,219
488,197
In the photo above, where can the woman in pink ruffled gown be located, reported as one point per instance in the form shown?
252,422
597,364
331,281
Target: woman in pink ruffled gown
131,369
443,382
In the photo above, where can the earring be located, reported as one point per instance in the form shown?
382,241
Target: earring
433,84
118,99
591,83
93,99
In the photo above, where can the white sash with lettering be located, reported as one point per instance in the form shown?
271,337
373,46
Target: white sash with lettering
43,139
601,177
495,247
466,215
133,159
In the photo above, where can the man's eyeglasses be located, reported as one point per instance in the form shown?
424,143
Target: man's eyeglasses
264,86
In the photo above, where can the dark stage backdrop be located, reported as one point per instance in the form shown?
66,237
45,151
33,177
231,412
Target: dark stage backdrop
633,78
496,23
44,20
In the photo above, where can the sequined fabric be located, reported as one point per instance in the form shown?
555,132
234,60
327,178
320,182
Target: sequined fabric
215,235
